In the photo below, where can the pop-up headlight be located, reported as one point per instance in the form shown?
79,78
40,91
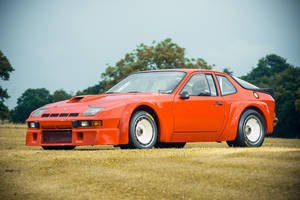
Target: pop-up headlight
92,110
38,112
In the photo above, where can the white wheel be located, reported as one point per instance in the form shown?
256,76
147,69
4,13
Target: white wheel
144,131
252,128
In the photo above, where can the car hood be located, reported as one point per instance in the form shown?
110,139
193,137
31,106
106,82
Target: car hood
78,104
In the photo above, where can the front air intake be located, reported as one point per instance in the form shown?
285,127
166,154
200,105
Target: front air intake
57,136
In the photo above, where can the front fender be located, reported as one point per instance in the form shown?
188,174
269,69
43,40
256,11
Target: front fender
163,114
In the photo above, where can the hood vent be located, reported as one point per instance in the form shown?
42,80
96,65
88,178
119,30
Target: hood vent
60,115
87,98
75,99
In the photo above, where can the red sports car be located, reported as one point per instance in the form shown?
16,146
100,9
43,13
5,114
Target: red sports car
162,108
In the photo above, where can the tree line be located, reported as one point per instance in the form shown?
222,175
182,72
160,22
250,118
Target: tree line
271,71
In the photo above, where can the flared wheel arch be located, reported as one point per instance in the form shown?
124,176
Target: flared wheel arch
152,112
257,110
240,115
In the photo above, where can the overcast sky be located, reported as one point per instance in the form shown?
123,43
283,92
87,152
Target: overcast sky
68,44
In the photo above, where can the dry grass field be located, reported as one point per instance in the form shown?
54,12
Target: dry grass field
199,171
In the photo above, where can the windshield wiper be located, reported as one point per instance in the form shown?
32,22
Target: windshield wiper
164,91
133,92
110,92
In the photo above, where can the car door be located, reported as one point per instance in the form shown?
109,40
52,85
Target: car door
203,111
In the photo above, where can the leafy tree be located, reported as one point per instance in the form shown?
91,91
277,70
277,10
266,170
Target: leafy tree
96,89
273,71
30,100
5,67
162,55
228,71
60,95
5,70
297,102
4,111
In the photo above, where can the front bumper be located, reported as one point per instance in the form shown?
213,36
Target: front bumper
79,137
62,133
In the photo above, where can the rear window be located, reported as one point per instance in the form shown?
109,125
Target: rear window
245,84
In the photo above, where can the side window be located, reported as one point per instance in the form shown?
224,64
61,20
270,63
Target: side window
225,85
212,85
197,86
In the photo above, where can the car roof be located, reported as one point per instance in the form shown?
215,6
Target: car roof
185,70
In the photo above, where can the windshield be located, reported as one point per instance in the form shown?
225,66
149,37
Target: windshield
164,82
245,84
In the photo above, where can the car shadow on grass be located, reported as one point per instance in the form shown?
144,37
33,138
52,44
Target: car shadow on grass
98,149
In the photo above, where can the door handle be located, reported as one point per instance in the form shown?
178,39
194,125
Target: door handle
218,103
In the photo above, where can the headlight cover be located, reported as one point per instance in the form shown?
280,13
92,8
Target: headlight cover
92,110
38,112
33,125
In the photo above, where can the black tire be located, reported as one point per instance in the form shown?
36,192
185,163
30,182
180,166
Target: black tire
251,130
124,146
58,147
164,145
143,131
231,143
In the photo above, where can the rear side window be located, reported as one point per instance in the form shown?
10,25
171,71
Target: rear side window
245,84
225,85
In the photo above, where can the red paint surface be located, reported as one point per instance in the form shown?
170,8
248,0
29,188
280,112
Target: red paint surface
191,120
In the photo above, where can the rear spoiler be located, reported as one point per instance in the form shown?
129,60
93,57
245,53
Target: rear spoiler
269,91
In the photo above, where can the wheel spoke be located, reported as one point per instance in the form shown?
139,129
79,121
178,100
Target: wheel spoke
253,128
144,131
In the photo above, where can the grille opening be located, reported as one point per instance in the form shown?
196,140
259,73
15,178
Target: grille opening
63,114
60,115
73,114
56,136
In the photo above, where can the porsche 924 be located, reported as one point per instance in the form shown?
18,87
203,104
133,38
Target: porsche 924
160,108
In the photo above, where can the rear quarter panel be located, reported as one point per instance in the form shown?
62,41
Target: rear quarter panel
244,99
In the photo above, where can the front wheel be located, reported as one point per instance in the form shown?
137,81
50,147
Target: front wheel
251,130
143,130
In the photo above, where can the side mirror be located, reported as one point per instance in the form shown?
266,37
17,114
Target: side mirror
184,95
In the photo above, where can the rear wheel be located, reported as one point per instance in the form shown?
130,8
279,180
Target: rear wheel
58,147
251,130
124,146
143,130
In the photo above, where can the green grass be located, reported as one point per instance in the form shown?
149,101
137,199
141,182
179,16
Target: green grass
199,171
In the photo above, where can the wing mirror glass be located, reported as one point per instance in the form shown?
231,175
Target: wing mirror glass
184,95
